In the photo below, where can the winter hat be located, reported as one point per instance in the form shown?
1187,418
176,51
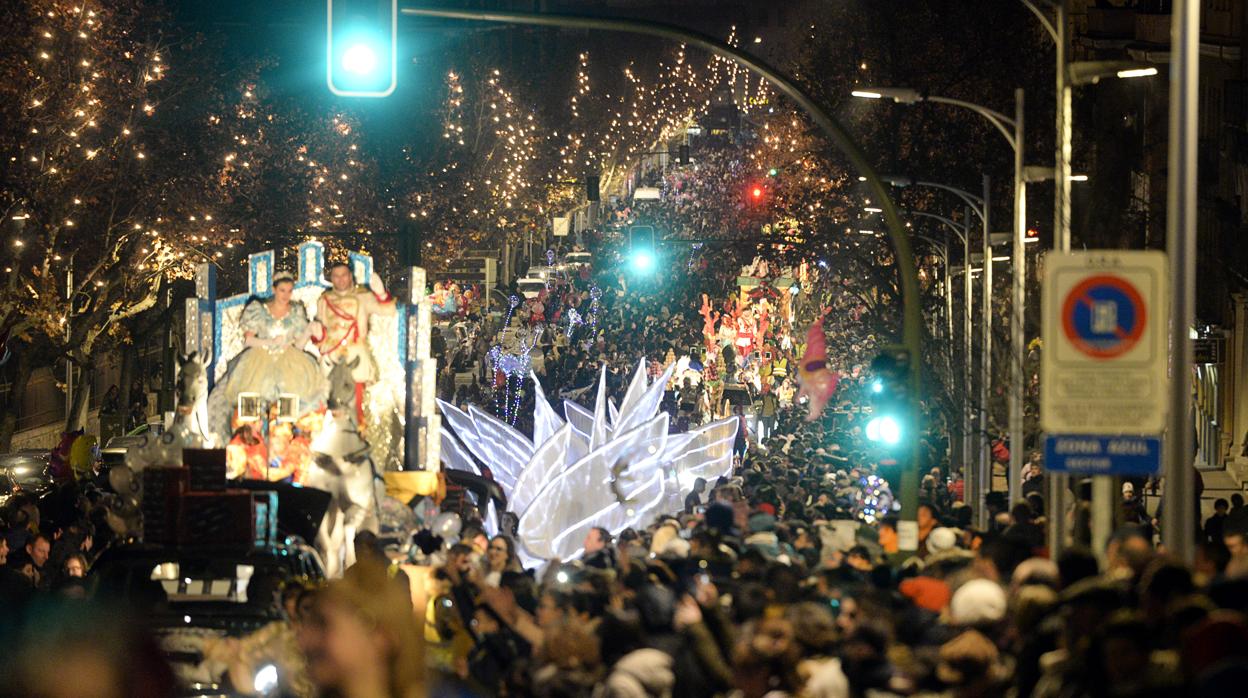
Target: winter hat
926,592
968,658
979,601
941,539
762,522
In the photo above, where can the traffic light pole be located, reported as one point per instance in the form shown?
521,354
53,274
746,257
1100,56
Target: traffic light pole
908,278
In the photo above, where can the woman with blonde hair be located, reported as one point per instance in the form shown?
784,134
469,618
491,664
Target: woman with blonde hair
361,639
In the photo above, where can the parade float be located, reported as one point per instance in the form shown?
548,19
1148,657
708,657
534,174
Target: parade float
254,416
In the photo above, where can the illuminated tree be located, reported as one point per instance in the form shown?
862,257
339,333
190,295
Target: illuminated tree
120,178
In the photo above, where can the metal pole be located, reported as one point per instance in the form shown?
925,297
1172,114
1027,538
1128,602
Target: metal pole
1057,490
950,341
968,433
69,365
1018,383
1179,519
985,368
912,321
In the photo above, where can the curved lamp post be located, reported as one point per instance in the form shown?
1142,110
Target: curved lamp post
908,277
1012,131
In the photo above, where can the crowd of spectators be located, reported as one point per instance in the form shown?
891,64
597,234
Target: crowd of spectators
793,576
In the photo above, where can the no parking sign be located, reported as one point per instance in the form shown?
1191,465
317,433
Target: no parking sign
1105,328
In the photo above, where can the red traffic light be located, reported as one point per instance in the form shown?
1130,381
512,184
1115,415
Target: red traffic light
757,192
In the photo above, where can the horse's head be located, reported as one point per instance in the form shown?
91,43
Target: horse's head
192,379
342,385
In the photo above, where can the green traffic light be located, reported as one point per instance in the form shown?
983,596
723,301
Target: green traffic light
884,429
360,59
773,172
362,47
643,261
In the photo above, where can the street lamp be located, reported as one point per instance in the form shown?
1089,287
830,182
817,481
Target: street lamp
978,478
1012,130
962,232
1081,73
1067,75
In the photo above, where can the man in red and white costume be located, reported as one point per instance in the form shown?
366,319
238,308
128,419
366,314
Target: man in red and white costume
344,312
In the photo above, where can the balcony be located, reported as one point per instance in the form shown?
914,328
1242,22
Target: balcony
1152,29
1111,22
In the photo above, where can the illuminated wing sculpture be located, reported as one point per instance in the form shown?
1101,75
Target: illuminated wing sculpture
610,468
546,422
615,487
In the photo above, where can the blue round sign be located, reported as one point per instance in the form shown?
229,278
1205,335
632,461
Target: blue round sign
1104,316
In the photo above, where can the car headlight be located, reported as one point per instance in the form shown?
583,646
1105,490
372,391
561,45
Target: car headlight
265,682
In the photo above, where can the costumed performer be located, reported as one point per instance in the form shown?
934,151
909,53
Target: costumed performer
272,362
344,311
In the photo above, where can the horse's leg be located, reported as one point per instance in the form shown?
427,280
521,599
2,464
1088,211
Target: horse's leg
359,504
330,539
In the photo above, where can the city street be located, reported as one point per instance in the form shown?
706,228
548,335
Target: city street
623,348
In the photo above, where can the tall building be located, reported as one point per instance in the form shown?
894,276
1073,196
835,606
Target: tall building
1124,129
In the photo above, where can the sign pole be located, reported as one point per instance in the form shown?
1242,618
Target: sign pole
1179,518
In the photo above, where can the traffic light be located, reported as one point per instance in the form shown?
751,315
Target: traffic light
682,155
593,188
642,256
889,388
773,172
411,244
756,193
361,49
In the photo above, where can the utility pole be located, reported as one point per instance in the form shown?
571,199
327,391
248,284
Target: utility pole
985,413
1057,490
1178,527
1018,315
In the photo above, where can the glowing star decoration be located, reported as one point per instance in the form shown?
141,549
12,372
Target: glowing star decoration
574,320
563,487
873,500
817,380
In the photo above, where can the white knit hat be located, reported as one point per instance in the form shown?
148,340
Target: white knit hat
978,601
941,539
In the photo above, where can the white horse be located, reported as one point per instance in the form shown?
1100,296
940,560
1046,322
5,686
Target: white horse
190,424
341,466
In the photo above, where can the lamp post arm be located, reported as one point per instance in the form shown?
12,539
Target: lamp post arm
1000,121
1044,19
942,245
949,222
975,203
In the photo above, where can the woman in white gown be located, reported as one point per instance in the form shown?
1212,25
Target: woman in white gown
272,362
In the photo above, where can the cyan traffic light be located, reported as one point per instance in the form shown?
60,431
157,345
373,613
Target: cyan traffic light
889,390
361,49
642,256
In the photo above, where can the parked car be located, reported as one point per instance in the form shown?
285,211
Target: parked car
191,594
24,471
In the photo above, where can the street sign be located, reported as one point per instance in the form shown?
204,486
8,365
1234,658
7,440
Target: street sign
1104,361
1102,455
